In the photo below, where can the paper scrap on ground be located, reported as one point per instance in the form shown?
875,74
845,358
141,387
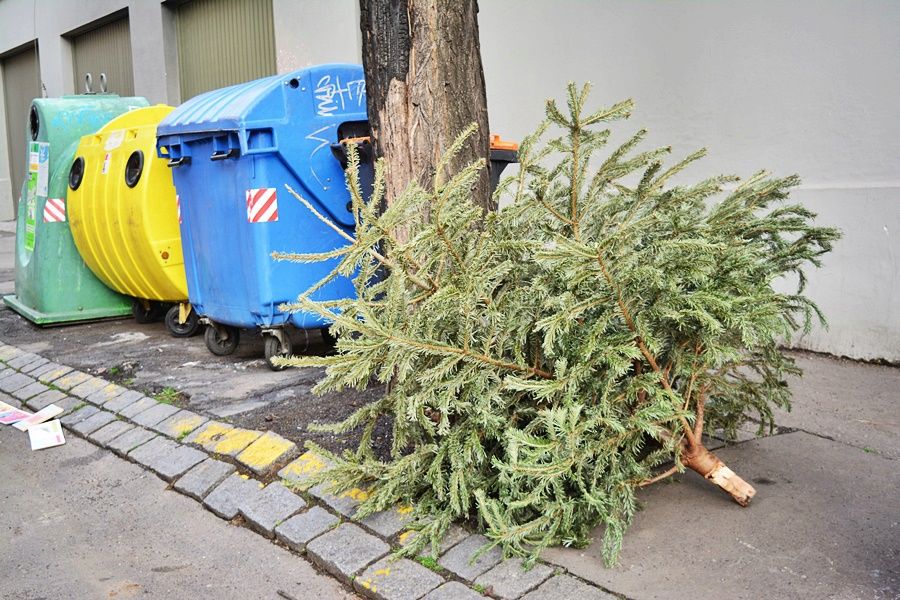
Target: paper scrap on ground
48,412
46,435
10,414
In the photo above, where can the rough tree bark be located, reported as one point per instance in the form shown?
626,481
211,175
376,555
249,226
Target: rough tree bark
425,84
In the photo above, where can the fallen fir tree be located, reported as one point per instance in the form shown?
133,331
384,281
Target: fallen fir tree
547,360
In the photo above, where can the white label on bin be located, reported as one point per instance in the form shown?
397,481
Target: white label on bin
114,140
43,171
55,210
262,205
105,164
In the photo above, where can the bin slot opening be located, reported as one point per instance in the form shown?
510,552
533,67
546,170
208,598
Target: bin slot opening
261,139
226,145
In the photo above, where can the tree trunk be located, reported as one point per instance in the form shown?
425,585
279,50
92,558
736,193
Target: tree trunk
425,84
701,460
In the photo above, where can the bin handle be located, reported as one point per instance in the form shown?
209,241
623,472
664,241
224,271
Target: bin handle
177,162
231,152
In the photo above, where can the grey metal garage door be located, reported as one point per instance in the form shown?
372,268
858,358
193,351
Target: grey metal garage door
105,49
223,42
21,84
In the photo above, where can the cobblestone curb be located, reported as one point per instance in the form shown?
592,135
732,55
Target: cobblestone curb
179,446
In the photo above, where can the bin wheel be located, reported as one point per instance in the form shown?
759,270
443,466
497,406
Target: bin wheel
274,347
144,311
222,340
182,330
328,337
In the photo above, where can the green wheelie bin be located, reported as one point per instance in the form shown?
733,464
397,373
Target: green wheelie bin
53,285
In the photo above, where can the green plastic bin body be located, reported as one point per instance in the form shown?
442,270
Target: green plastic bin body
53,285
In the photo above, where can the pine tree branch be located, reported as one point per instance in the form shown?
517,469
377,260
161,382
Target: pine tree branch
660,477
664,380
444,349
372,252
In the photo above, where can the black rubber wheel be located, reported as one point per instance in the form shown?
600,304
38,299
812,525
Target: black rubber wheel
273,347
222,344
144,311
182,330
328,337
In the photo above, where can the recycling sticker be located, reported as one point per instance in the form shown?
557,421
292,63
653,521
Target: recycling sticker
36,187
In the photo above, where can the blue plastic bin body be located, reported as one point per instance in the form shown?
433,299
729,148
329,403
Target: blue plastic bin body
233,151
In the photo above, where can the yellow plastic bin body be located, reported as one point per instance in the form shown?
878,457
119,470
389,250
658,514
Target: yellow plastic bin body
124,213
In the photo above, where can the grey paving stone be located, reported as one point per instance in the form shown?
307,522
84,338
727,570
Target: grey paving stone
201,479
14,382
566,587
509,580
44,368
344,502
148,454
388,522
32,367
6,372
79,415
267,452
46,399
94,422
208,434
272,505
70,380
14,402
300,529
459,558
50,375
455,534
123,400
154,414
86,388
178,461
8,353
30,391
304,467
454,590
228,495
108,392
68,404
136,408
180,424
396,580
345,550
130,440
23,360
109,432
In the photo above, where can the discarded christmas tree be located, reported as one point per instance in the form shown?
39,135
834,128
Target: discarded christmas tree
546,360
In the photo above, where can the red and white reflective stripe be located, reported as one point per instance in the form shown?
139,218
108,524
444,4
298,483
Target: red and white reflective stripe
262,205
178,207
55,210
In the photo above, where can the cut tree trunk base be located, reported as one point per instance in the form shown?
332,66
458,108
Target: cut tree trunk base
701,460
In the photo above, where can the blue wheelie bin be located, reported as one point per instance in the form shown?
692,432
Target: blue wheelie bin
232,151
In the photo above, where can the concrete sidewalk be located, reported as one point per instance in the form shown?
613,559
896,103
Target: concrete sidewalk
78,522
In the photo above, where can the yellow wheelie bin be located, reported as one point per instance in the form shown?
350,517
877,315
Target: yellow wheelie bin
124,217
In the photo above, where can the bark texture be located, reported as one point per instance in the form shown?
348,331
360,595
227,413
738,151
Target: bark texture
425,84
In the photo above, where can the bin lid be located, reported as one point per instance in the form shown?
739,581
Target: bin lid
323,90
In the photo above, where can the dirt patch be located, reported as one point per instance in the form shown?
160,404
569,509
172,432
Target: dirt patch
291,417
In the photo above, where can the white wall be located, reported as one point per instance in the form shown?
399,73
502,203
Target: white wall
807,86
